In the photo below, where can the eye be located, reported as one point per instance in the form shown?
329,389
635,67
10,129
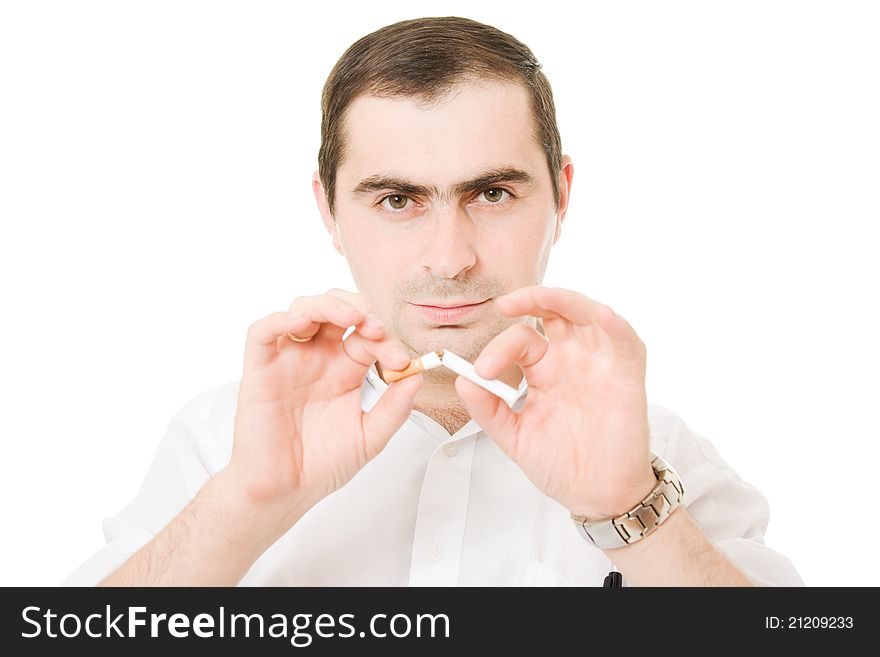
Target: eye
495,196
395,202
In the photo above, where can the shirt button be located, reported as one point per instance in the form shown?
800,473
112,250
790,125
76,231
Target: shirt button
451,449
436,552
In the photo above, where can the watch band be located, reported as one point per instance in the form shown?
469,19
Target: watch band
643,518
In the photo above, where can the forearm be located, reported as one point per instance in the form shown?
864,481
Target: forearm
213,541
677,553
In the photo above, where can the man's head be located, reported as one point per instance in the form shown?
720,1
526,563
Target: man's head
441,177
423,58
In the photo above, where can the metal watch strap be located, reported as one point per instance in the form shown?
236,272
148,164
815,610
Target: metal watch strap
643,518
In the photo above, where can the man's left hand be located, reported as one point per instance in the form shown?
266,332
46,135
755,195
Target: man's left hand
583,436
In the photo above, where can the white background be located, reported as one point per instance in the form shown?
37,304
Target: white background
154,195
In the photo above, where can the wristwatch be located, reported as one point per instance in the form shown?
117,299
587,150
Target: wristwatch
643,518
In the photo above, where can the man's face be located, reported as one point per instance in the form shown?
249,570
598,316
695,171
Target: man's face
416,229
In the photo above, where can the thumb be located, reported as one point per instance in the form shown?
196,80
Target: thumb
492,413
389,413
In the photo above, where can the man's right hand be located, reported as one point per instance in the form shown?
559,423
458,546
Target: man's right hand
300,433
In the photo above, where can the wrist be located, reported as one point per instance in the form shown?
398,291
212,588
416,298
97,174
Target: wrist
253,526
623,500
639,520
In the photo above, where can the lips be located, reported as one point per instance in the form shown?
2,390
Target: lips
451,305
446,315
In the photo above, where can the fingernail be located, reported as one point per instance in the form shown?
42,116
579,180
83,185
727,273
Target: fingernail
484,363
373,320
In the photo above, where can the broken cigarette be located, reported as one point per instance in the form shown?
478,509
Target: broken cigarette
458,365
463,368
421,364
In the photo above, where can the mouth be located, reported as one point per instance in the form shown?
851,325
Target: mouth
449,314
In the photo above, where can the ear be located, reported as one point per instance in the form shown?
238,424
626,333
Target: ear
565,177
326,215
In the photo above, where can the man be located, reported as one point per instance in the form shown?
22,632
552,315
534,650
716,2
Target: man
441,180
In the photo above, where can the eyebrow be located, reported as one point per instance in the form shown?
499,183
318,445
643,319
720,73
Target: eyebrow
487,178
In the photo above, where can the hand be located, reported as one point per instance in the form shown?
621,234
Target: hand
300,433
583,436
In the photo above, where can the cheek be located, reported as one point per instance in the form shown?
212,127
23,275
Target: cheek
523,236
521,251
376,260
369,239
362,241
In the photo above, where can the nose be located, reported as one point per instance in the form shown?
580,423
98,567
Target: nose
449,250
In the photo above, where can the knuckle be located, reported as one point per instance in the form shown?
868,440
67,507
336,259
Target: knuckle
301,303
354,299
394,346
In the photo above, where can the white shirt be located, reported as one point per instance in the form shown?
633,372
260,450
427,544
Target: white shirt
433,509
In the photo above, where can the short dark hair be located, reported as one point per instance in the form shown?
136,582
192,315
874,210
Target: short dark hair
424,58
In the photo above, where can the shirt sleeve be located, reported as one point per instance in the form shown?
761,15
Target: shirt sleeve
180,467
732,513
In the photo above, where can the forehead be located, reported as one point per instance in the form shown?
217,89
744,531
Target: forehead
476,126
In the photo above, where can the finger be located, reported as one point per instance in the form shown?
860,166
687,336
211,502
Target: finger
492,413
262,336
372,326
390,352
624,339
330,316
389,413
520,344
356,299
549,304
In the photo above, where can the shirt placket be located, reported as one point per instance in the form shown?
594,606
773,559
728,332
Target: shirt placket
441,515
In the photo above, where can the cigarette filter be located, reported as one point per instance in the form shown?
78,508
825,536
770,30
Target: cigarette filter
460,366
427,362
